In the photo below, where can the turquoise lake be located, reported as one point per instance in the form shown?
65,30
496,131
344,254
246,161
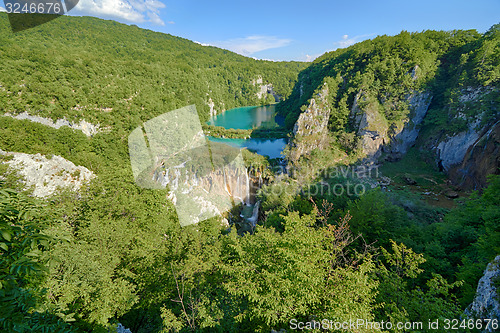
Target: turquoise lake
248,118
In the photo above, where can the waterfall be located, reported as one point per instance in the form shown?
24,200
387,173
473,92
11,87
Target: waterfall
260,180
238,187
255,214
165,180
248,187
225,182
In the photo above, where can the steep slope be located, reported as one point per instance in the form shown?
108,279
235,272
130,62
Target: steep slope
436,90
82,67
104,79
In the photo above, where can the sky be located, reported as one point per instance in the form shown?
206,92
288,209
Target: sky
292,30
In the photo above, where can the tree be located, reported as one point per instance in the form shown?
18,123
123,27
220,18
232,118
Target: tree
402,300
22,243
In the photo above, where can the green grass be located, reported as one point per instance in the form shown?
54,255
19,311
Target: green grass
431,184
414,164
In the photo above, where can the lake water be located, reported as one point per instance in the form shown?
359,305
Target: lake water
248,118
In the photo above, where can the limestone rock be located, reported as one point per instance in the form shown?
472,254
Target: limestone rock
310,130
265,90
87,128
211,105
471,155
486,303
452,194
480,160
371,127
408,180
121,329
46,175
375,133
452,150
406,134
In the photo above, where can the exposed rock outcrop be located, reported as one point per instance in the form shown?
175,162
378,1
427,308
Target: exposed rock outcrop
378,136
486,303
372,127
405,133
121,329
481,159
309,132
451,151
471,155
211,105
46,175
87,128
265,90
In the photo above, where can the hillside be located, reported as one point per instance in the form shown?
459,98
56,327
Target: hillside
82,67
415,117
436,90
84,248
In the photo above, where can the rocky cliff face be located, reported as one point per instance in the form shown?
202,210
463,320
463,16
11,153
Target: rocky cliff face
481,159
470,155
467,156
265,91
211,105
46,175
452,149
310,130
405,133
372,128
486,304
87,128
378,136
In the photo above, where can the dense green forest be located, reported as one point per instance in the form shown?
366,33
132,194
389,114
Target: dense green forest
116,253
78,68
439,61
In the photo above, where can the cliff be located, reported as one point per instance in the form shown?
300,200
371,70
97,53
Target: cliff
265,91
467,156
481,159
87,128
309,132
46,175
471,153
265,94
389,94
486,304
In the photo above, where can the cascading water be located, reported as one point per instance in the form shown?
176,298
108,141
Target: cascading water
248,188
225,182
255,214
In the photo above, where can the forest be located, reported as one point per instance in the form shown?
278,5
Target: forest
115,253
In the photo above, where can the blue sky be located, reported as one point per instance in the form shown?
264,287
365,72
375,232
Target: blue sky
292,30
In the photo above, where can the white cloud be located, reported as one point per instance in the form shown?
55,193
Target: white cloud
2,9
347,41
135,11
202,44
310,58
252,44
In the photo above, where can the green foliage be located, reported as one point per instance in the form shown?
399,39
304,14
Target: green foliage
22,244
221,132
471,236
118,81
375,217
402,300
384,69
118,253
